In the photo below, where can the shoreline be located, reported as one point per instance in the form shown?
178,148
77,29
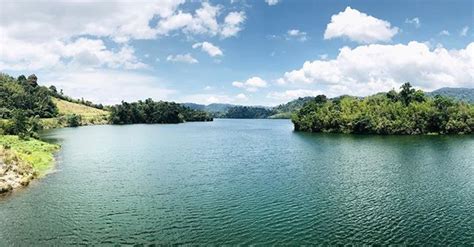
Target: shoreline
22,161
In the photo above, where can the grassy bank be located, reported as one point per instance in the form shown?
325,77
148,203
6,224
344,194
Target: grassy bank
86,115
37,154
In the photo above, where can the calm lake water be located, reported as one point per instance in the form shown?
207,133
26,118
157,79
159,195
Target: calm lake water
245,182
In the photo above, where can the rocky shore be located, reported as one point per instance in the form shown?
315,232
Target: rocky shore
14,172
22,160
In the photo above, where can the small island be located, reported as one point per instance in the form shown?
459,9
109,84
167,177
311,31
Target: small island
408,112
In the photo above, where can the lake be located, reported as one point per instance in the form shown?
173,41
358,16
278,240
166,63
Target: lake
245,182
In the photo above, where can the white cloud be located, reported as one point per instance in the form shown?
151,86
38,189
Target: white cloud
359,27
293,94
464,31
414,21
241,97
297,34
208,47
37,40
107,86
182,58
232,24
372,68
119,20
272,2
444,33
251,85
82,52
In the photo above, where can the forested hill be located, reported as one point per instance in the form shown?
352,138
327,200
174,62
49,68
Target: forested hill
407,112
211,108
462,94
287,109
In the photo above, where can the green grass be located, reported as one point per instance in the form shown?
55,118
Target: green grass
66,107
38,154
89,115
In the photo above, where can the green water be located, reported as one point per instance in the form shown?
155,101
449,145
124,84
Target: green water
245,182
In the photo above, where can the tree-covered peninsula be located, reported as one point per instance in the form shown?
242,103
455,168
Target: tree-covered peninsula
407,112
151,112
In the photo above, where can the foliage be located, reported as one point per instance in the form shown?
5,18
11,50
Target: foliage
25,95
21,125
149,111
248,112
36,153
407,112
287,109
73,120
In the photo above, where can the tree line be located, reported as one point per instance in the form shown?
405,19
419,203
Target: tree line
150,112
407,112
24,103
247,112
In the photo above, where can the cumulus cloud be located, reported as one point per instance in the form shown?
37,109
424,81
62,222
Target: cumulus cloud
82,52
232,24
272,2
415,21
293,94
182,58
38,39
359,27
251,85
208,47
119,20
372,68
297,34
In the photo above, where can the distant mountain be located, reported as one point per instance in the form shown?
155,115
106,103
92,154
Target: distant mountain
211,108
194,106
461,94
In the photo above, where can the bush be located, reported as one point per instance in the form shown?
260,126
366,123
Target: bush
73,120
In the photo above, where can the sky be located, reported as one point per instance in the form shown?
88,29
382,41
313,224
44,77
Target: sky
248,52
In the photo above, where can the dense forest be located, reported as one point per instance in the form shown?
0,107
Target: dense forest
149,111
407,112
248,112
25,95
22,103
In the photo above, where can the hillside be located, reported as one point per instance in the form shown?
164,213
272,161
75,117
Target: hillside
287,109
69,112
66,107
461,94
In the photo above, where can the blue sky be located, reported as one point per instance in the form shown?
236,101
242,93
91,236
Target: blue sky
256,52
